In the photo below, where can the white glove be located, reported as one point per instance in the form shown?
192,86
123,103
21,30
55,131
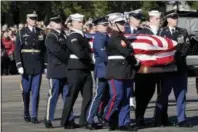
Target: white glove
20,70
45,71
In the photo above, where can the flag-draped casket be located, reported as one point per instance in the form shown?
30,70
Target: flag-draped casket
155,53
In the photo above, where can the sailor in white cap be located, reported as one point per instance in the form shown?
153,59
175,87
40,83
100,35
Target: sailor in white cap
145,83
154,19
79,70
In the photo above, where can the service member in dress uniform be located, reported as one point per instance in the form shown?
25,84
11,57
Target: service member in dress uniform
145,83
58,56
79,71
176,80
99,47
120,72
134,22
134,26
30,57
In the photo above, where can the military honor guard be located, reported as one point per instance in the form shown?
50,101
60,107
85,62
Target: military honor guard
30,58
145,84
175,80
79,71
99,47
134,22
58,56
120,73
134,26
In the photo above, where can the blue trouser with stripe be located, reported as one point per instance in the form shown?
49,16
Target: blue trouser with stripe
120,91
57,87
179,85
31,83
101,88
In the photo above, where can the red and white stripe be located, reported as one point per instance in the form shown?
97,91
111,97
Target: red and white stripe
91,46
153,50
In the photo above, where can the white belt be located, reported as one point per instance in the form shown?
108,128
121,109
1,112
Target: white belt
72,56
115,57
30,51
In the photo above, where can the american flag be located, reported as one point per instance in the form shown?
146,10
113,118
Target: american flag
150,50
153,50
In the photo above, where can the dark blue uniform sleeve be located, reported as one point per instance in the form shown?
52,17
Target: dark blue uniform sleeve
53,47
75,46
99,46
17,52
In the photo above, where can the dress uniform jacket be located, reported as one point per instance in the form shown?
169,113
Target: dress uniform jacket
100,54
80,52
120,56
181,36
146,30
58,54
129,31
30,51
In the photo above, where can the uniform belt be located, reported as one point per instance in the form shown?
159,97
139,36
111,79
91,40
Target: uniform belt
116,57
30,51
72,56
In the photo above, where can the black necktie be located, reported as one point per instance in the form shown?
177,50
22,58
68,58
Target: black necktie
34,30
172,31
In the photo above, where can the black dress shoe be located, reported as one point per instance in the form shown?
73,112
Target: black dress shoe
127,128
109,125
48,124
140,122
35,120
100,120
169,123
184,124
71,125
27,118
93,126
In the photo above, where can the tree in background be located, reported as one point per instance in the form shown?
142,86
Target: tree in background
17,10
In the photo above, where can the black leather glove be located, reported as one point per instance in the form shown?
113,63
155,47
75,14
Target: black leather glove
137,67
132,60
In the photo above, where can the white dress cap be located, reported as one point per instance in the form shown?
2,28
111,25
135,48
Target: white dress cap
154,13
77,17
116,17
32,15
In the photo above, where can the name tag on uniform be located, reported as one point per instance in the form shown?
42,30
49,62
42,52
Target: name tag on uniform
40,37
26,35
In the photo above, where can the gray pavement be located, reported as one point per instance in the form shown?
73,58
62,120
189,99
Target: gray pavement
12,109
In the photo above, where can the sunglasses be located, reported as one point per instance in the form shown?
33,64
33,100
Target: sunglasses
121,22
105,24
